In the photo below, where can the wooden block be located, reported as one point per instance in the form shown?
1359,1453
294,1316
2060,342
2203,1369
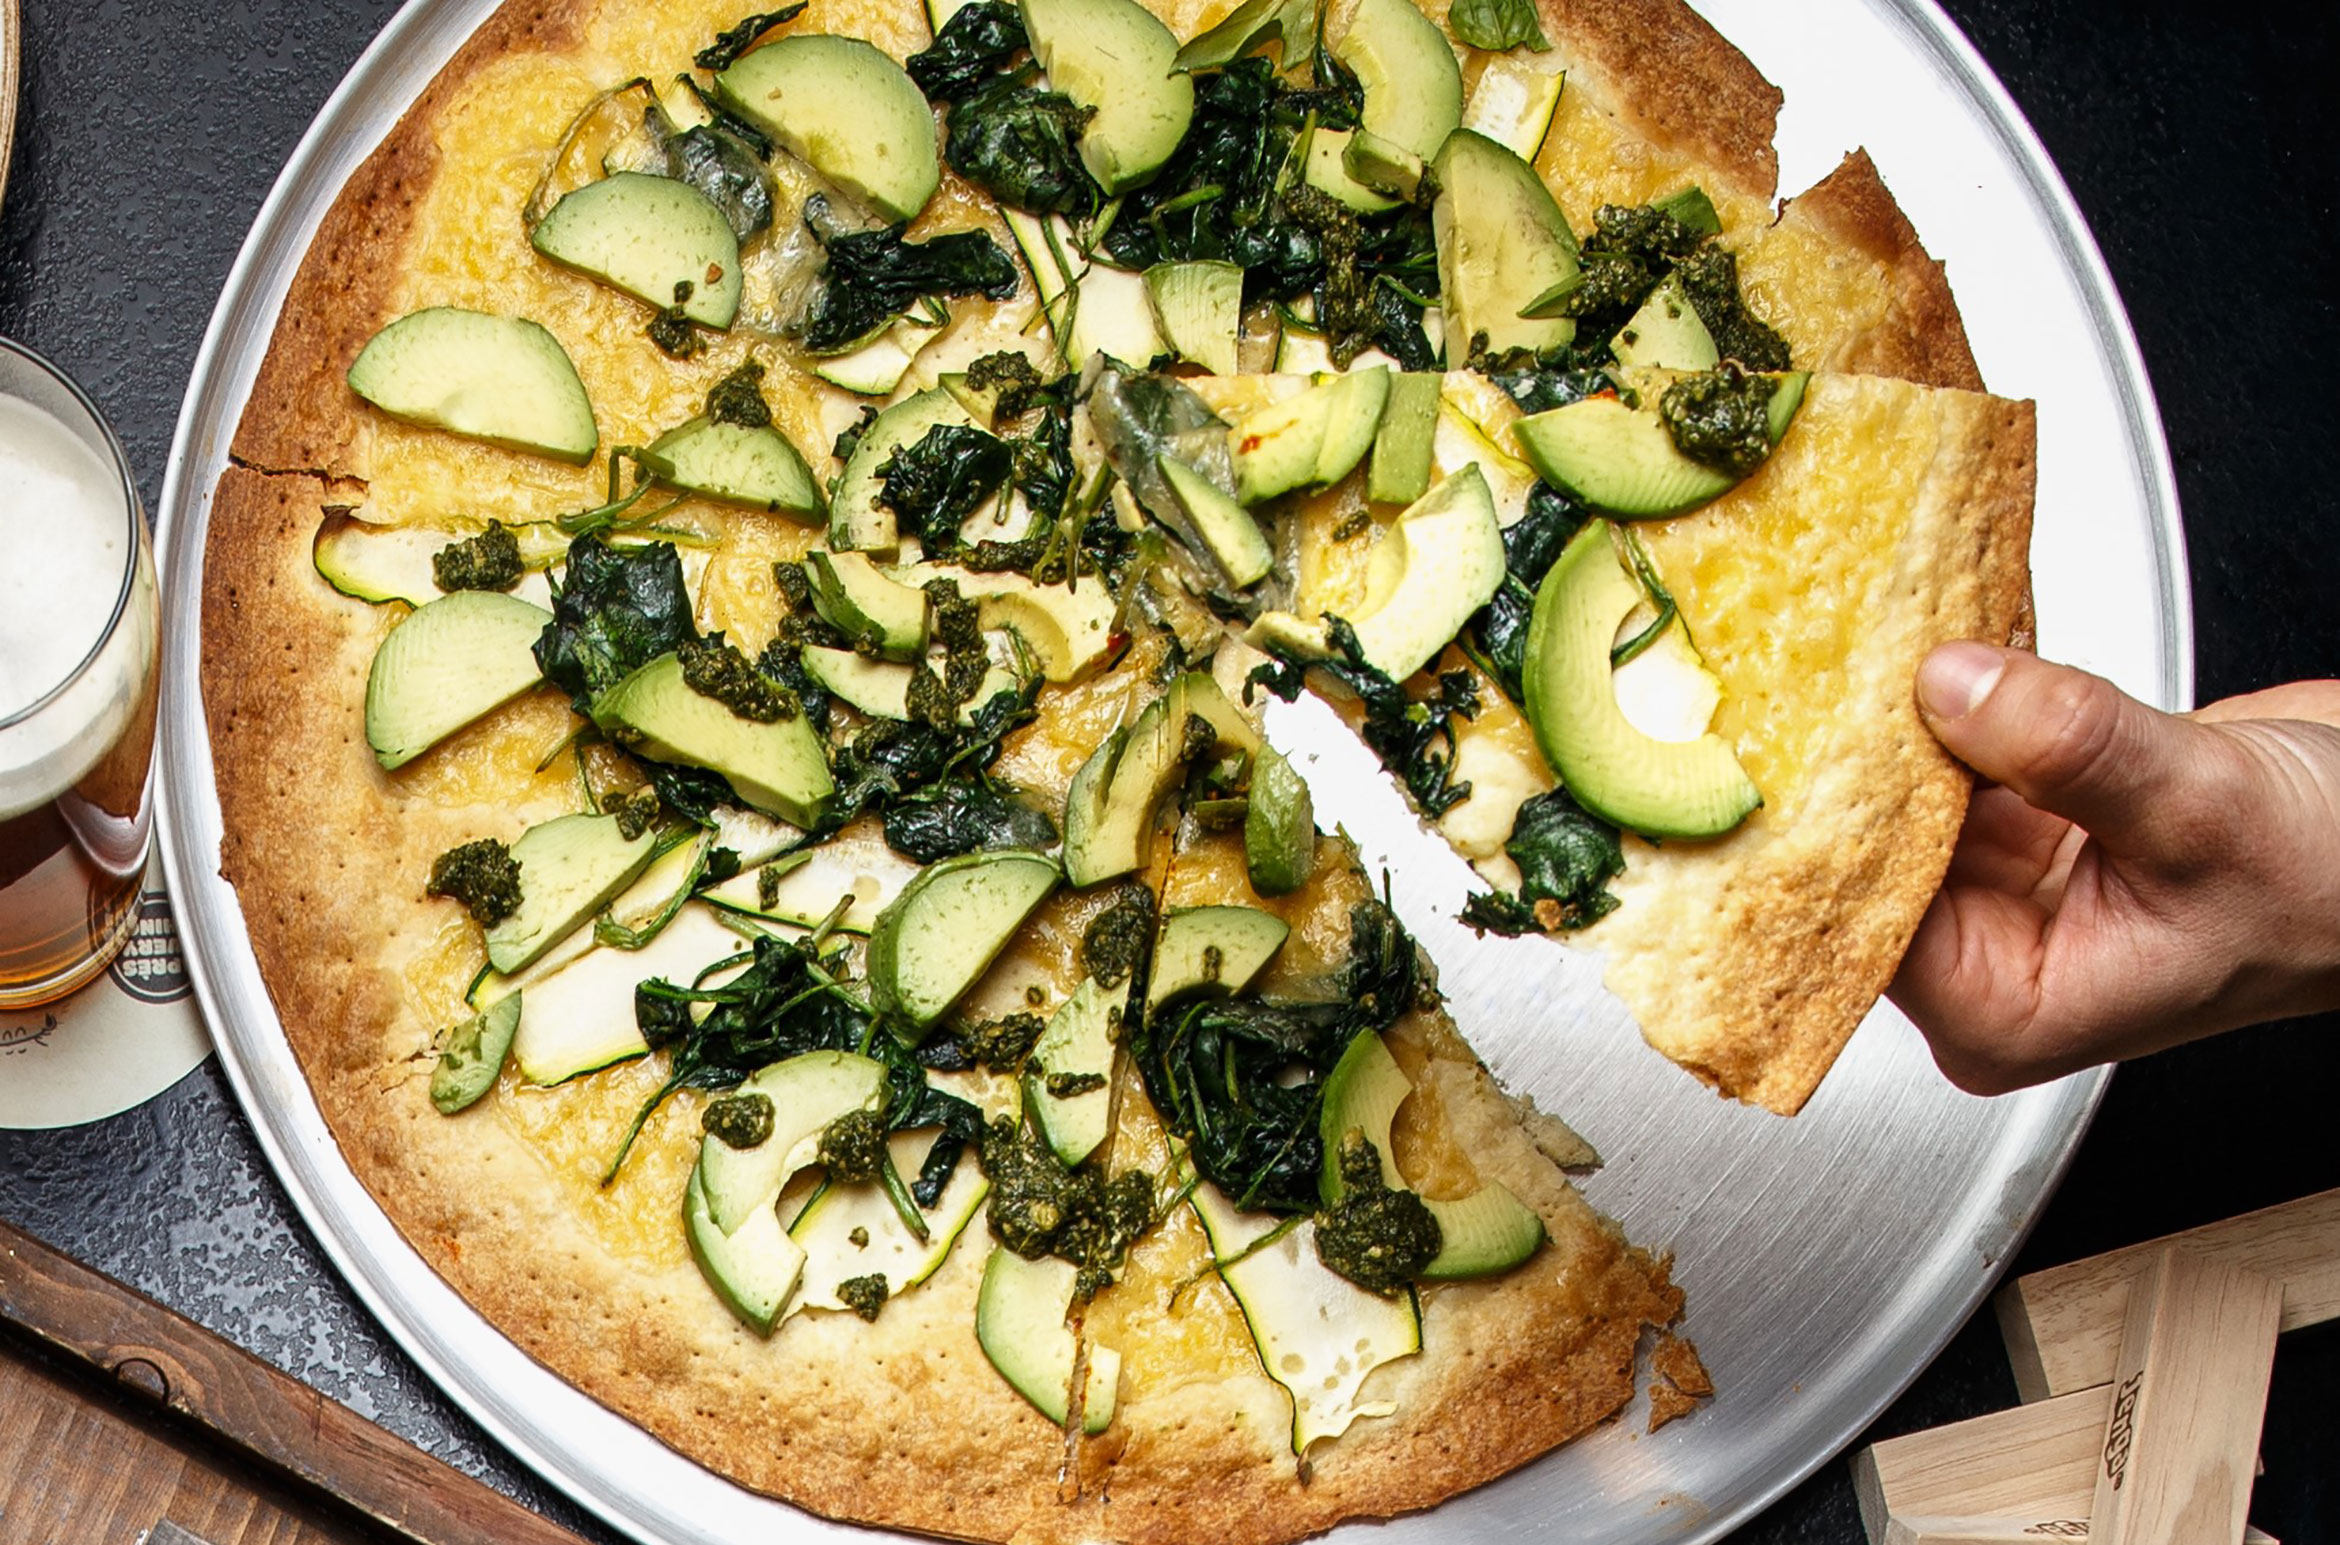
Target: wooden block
2063,1325
2188,1396
2021,1530
2038,1460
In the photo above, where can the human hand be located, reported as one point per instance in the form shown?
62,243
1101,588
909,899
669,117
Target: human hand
2134,880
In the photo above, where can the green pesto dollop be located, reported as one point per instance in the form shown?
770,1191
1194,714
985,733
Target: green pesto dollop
1377,1237
853,1146
1117,939
1003,1044
1038,1207
865,1296
1720,418
738,399
1013,374
714,668
1066,1086
488,561
1710,277
739,1120
482,875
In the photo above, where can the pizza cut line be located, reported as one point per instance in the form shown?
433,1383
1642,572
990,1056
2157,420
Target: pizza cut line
733,645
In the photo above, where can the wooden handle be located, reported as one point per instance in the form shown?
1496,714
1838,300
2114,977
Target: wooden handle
2063,1325
2188,1397
268,1415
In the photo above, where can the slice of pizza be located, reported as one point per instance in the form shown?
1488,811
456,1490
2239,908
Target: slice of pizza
720,658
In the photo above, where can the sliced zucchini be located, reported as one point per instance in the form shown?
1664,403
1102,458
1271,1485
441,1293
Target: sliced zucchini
581,1018
829,1224
812,881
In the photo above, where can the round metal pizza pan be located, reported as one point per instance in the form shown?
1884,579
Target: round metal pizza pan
1827,1258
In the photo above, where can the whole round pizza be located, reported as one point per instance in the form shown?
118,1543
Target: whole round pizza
734,641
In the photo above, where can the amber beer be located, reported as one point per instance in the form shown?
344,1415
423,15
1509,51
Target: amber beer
77,686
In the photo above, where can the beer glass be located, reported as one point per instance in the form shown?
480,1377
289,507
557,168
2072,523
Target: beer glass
77,686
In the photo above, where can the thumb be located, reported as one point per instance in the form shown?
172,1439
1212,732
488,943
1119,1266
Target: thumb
2067,742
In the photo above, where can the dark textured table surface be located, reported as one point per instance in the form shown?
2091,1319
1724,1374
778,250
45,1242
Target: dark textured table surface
2200,141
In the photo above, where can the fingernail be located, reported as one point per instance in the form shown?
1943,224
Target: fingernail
1956,678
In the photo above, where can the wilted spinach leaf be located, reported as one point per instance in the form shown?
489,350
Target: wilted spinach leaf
734,41
728,172
940,480
617,610
1414,737
1016,142
1530,546
979,42
964,815
1241,1079
872,276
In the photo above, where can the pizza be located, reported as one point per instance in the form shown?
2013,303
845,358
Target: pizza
735,635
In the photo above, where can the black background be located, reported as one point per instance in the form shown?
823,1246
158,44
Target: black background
2200,141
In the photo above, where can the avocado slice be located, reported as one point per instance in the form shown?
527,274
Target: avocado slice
1067,629
875,367
1358,397
1077,1043
754,1269
655,238
830,1223
857,521
807,1091
450,662
570,868
1116,57
1488,1231
947,927
1412,84
1212,950
845,109
1502,244
1439,562
1110,809
501,379
1279,826
1382,165
853,596
1404,443
1623,462
473,1056
1198,308
780,768
739,464
881,688
1327,171
1689,789
1020,1324
1226,528
1276,448
1666,333
1091,308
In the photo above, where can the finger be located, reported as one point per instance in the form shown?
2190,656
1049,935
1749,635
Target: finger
2318,702
2065,741
1971,980
2006,845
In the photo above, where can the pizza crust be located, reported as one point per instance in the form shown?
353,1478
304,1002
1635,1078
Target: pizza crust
902,1423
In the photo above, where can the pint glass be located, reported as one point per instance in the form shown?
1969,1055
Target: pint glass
77,686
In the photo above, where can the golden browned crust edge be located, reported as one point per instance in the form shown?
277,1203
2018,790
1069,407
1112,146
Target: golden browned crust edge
1922,338
301,416
1799,987
1678,82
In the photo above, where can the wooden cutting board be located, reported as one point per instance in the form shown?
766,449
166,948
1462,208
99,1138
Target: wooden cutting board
11,23
118,1416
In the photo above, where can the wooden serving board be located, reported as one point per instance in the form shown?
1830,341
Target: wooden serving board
118,1416
11,24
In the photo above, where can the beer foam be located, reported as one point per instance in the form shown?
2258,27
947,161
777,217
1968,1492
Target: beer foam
69,545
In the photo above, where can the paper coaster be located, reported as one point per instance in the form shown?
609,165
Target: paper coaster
118,1042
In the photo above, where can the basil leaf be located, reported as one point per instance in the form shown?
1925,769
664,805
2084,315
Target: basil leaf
1497,24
